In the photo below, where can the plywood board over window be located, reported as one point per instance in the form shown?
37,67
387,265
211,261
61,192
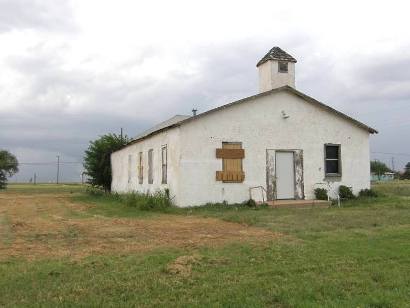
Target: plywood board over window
232,155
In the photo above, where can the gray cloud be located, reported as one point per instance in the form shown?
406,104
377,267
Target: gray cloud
48,119
54,15
373,89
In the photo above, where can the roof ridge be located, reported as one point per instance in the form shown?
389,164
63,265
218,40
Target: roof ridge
158,128
276,53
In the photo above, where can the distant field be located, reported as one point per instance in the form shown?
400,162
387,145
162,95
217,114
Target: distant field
62,247
43,188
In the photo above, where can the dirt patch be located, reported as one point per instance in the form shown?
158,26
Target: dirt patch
39,226
182,266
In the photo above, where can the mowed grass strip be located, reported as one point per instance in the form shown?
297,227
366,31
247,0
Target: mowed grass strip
276,274
43,188
354,256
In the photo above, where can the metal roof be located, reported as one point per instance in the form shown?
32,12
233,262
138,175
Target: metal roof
175,119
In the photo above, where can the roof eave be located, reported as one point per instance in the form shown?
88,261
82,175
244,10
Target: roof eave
288,88
307,97
274,59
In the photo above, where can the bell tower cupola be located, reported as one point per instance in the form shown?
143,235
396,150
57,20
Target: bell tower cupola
276,69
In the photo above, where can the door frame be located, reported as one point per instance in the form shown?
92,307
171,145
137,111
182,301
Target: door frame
294,173
298,170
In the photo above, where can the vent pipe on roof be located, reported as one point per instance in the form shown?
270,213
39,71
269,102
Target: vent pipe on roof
194,112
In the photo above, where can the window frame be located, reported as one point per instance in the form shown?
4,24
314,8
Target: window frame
164,165
280,70
129,170
339,159
151,166
140,168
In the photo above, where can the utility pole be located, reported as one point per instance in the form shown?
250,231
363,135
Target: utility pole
392,163
35,178
58,167
121,134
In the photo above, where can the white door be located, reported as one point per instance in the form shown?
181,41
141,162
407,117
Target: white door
285,175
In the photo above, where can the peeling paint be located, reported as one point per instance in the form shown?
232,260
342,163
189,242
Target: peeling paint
191,151
270,175
299,190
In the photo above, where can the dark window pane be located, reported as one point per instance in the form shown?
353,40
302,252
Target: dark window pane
332,152
332,166
283,67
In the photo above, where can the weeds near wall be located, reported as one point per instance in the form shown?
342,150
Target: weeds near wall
321,194
157,201
160,200
346,193
368,193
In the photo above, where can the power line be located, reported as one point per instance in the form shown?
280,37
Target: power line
49,163
388,153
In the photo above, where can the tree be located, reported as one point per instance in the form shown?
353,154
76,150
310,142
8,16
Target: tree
378,168
97,159
406,174
8,167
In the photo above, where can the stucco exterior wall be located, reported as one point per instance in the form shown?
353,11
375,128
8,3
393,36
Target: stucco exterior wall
119,164
270,77
259,126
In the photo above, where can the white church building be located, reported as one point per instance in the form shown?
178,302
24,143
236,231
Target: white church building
275,145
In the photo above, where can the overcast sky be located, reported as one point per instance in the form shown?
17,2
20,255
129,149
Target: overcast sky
73,70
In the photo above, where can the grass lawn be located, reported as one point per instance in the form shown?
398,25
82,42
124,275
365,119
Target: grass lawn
354,256
43,188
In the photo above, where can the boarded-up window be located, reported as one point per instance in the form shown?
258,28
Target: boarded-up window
150,166
164,158
140,169
332,160
129,167
232,155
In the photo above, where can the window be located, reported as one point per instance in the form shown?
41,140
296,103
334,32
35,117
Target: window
129,167
140,169
164,158
232,155
332,160
150,167
283,67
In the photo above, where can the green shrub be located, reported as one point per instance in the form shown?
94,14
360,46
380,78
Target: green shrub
167,193
159,200
94,191
250,203
320,193
369,193
346,192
